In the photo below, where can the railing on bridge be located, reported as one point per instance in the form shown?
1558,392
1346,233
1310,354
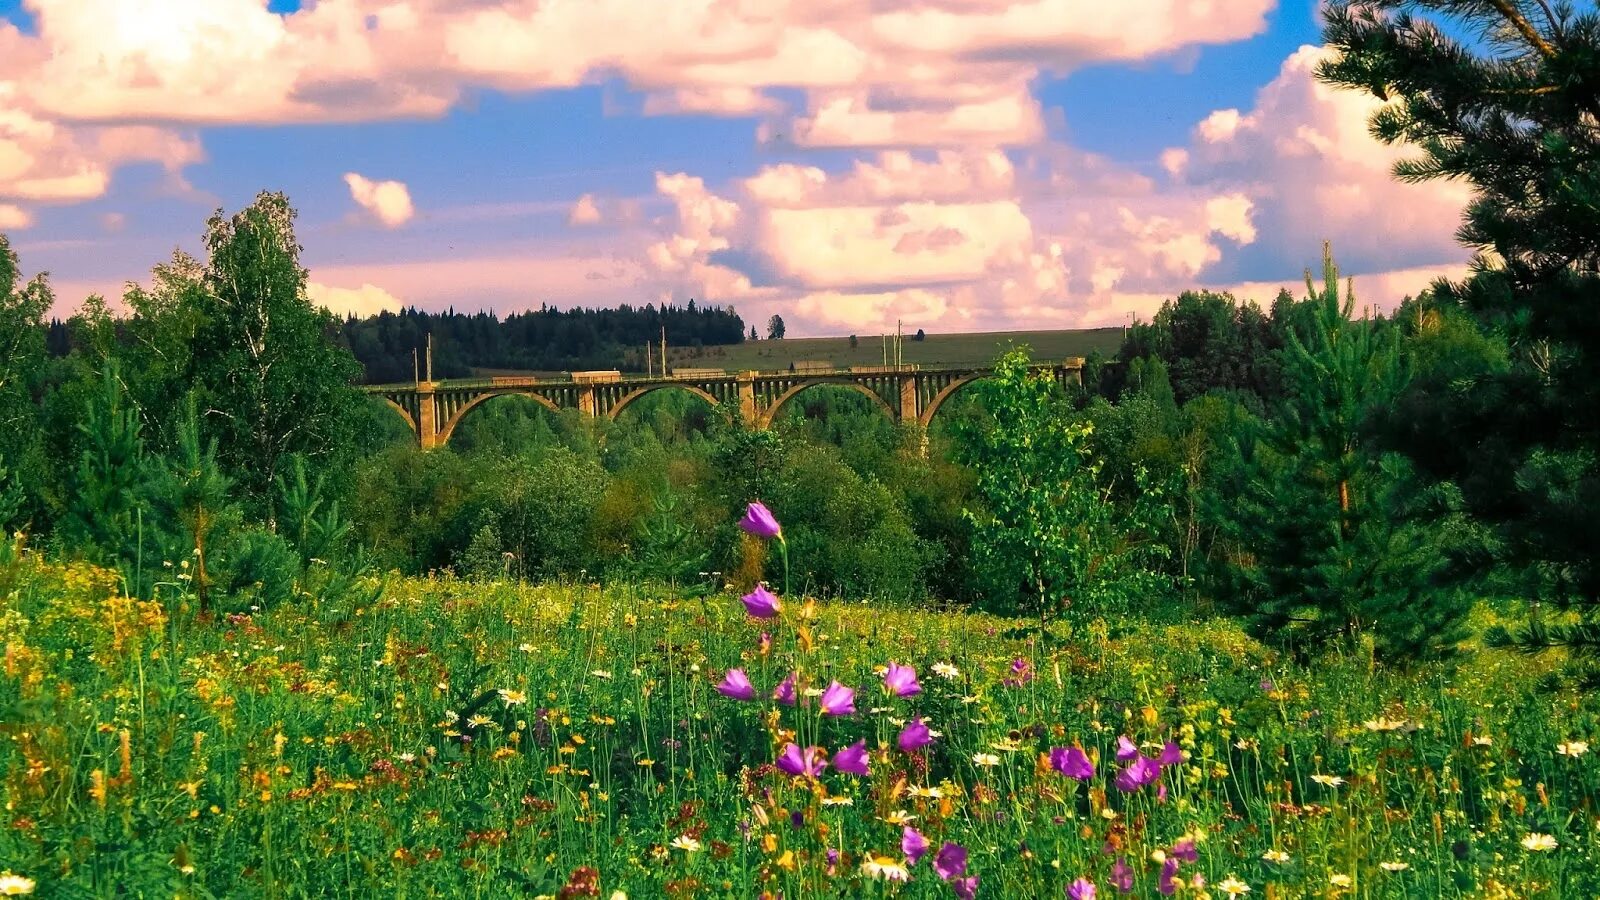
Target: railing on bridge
906,393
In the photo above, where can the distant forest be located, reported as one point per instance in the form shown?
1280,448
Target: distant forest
545,339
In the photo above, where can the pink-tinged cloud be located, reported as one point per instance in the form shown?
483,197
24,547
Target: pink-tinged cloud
386,202
366,300
1304,158
52,162
1050,236
585,211
14,217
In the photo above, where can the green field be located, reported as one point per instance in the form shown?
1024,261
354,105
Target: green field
449,738
935,350
975,349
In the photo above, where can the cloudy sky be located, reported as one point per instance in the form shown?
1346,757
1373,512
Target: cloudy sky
956,164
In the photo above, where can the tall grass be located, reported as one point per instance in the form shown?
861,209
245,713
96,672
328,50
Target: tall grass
498,740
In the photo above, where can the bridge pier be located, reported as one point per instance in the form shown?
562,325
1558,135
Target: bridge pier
909,413
746,382
427,425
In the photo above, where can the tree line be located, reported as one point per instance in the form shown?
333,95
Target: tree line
389,345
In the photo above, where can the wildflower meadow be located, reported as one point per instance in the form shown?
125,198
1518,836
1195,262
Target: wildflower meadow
436,737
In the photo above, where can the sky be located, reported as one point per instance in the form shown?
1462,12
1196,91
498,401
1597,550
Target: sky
955,165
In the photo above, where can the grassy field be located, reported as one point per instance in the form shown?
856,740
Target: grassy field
445,738
934,350
975,349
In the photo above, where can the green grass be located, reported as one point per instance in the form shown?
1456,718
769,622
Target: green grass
935,350
955,350
351,747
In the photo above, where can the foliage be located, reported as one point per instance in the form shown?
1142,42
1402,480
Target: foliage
1502,96
1329,542
1207,342
103,514
1046,537
775,329
22,366
271,382
189,498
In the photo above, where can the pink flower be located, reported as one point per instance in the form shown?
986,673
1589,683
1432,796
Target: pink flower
1171,755
1126,749
759,521
736,684
784,692
838,700
965,888
901,681
913,844
1122,876
914,736
1168,883
1082,889
1072,762
808,763
852,759
762,603
1142,771
951,861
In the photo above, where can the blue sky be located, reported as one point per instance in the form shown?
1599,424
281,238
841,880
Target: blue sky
961,166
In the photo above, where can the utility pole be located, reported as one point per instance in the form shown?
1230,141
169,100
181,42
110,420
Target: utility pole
416,371
899,345
663,351
430,357
649,361
885,350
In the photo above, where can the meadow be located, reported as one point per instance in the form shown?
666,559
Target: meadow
974,349
441,737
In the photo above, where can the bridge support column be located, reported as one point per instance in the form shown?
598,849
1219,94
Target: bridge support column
427,425
909,414
1073,370
586,401
747,399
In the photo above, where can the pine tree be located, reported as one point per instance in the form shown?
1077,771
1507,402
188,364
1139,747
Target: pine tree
103,502
308,518
1330,542
1504,95
190,497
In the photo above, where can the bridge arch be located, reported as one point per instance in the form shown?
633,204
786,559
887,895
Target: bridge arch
450,426
926,419
404,414
771,414
628,398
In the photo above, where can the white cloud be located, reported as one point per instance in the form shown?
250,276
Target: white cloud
389,202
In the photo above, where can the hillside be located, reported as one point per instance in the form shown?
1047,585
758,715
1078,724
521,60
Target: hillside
976,348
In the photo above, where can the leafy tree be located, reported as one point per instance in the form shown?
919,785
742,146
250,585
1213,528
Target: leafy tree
1328,532
22,364
103,500
271,381
1208,342
1047,537
1503,95
775,328
920,335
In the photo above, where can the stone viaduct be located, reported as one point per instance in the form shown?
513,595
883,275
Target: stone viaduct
907,394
